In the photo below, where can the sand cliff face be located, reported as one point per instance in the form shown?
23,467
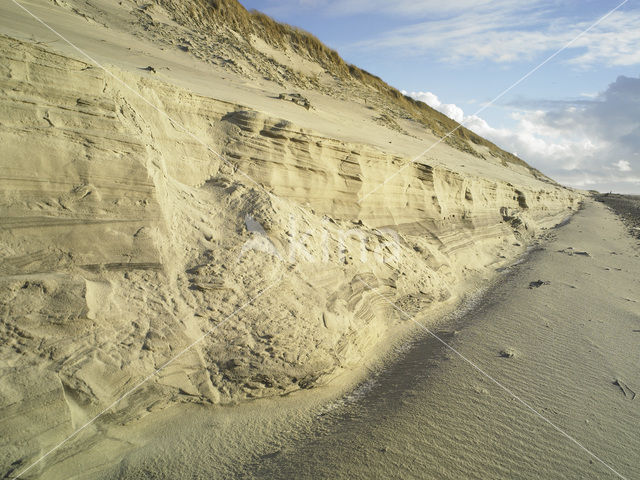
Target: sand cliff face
127,235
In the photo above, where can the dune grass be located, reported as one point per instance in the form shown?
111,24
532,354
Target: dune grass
210,15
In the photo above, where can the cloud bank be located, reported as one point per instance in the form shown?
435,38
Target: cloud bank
591,144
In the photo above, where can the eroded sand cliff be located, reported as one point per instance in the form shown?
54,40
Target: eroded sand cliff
138,217
126,239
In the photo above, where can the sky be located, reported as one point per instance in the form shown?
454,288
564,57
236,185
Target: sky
538,78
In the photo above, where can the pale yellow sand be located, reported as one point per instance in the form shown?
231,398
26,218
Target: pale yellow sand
429,414
125,207
572,340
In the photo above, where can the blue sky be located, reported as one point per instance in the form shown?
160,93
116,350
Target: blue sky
577,118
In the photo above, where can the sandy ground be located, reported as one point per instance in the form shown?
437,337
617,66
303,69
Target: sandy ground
428,414
576,342
625,206
120,237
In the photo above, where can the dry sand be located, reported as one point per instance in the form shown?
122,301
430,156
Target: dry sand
627,207
426,413
142,212
575,342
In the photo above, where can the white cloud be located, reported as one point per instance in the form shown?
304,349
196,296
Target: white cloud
623,165
449,109
518,33
399,8
589,144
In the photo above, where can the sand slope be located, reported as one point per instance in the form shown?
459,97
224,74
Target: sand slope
429,414
575,341
138,216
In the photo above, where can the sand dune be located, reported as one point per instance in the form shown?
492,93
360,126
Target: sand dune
425,412
142,211
430,414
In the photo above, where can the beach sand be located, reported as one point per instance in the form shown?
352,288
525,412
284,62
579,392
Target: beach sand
136,339
575,343
428,413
